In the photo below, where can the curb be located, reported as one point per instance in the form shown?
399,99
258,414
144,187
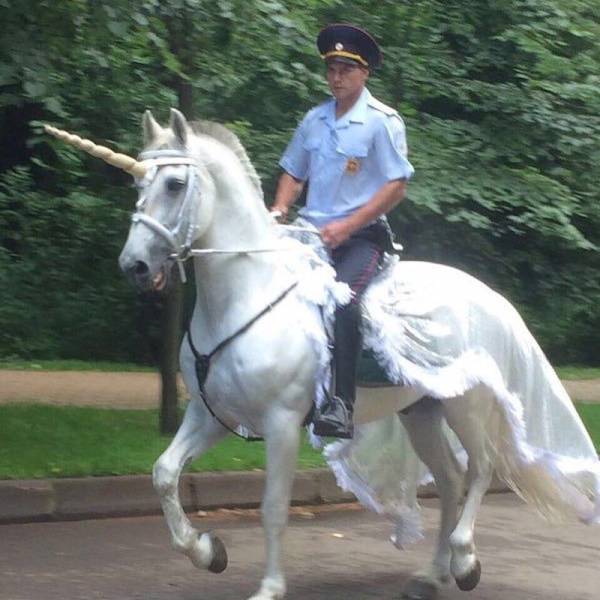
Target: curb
128,496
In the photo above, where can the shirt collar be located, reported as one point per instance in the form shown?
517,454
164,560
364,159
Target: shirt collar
357,114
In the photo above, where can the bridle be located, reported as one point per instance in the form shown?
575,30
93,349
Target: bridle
182,250
179,241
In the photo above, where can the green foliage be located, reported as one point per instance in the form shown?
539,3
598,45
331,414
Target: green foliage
59,271
501,105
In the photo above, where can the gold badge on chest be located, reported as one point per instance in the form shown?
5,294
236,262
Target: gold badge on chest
352,166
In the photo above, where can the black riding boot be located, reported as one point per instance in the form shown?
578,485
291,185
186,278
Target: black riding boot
335,416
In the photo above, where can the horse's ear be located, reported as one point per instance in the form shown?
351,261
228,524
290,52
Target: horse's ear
151,128
179,126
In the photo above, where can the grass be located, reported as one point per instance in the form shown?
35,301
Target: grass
590,415
39,441
71,365
574,372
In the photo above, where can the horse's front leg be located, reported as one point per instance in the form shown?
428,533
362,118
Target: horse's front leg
197,433
282,435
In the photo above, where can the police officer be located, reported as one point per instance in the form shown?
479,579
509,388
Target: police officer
352,151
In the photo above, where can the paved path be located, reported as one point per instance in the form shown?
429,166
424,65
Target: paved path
522,558
139,390
83,388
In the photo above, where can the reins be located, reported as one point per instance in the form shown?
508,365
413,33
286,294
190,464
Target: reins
183,251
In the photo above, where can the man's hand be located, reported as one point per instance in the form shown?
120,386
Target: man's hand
336,233
288,189
281,213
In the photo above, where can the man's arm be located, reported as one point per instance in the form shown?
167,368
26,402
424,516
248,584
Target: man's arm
385,199
288,190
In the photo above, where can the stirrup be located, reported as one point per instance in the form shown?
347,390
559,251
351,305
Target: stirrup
335,420
322,429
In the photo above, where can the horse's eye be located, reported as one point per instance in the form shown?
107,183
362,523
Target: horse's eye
174,184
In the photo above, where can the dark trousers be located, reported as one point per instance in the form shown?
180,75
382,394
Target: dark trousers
356,262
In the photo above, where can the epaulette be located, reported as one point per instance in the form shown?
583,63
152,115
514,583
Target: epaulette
381,107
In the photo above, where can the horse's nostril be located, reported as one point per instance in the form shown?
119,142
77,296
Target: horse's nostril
140,268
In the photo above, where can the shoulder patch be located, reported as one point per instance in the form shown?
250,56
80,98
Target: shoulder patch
381,107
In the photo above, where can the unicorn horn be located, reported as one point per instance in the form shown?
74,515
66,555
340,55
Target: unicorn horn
122,161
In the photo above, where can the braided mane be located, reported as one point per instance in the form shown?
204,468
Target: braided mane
228,138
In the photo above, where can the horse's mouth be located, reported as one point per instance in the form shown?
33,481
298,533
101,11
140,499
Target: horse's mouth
159,281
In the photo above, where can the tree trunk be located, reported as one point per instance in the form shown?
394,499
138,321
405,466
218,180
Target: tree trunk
171,325
185,93
171,319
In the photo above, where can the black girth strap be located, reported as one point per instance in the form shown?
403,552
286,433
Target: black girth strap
202,363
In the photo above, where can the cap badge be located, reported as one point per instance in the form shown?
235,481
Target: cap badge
339,46
352,166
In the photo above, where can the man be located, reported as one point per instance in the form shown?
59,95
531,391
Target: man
352,151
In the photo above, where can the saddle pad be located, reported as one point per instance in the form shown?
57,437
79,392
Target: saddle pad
370,373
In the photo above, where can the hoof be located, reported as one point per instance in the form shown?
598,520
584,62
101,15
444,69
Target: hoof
419,589
219,562
470,580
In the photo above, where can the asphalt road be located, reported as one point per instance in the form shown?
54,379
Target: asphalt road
523,558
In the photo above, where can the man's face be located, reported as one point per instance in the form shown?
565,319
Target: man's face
346,81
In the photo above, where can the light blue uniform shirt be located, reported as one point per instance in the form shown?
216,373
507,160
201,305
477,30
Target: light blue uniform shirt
346,160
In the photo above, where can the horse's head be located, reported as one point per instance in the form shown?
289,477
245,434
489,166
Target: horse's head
174,207
179,174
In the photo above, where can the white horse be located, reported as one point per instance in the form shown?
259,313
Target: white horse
255,317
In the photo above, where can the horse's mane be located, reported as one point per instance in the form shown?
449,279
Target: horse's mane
228,138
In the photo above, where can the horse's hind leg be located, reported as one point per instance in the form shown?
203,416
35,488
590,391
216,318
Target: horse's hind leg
424,422
198,432
468,419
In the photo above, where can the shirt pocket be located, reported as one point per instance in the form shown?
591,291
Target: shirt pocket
312,144
313,147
